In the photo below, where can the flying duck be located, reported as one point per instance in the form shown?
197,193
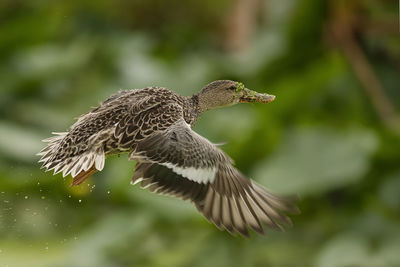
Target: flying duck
154,126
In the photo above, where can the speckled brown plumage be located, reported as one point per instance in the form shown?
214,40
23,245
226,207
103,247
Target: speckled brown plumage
117,125
153,125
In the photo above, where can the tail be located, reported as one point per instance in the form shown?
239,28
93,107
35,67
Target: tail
81,165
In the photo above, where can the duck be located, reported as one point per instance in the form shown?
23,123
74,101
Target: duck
153,126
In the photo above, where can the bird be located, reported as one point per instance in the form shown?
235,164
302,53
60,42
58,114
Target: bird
153,126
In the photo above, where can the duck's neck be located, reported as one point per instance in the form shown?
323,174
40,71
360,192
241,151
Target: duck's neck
202,102
191,110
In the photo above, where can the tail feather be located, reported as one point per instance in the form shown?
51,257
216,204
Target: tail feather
77,165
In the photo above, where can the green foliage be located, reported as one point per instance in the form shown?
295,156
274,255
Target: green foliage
319,159
320,139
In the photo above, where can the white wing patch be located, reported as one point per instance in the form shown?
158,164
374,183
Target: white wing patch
200,175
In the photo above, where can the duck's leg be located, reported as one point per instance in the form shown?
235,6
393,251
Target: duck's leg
83,175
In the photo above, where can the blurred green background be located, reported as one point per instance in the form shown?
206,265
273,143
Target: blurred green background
332,135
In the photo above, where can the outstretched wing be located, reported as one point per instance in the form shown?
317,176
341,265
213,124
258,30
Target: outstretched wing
182,163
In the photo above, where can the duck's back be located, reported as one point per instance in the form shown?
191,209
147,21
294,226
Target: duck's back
115,126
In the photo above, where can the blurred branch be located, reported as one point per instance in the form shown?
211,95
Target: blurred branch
380,27
240,24
343,25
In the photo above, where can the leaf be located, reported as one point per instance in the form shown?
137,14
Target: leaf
345,250
19,143
389,192
311,160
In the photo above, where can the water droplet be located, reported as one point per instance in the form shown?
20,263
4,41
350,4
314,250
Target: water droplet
80,200
42,197
26,197
108,192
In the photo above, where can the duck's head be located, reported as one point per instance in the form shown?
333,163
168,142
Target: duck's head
226,93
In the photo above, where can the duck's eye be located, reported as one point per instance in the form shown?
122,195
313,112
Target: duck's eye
233,87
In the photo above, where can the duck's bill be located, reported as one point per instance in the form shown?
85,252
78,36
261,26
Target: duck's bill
254,97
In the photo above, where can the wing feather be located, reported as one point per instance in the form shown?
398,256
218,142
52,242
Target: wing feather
174,161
